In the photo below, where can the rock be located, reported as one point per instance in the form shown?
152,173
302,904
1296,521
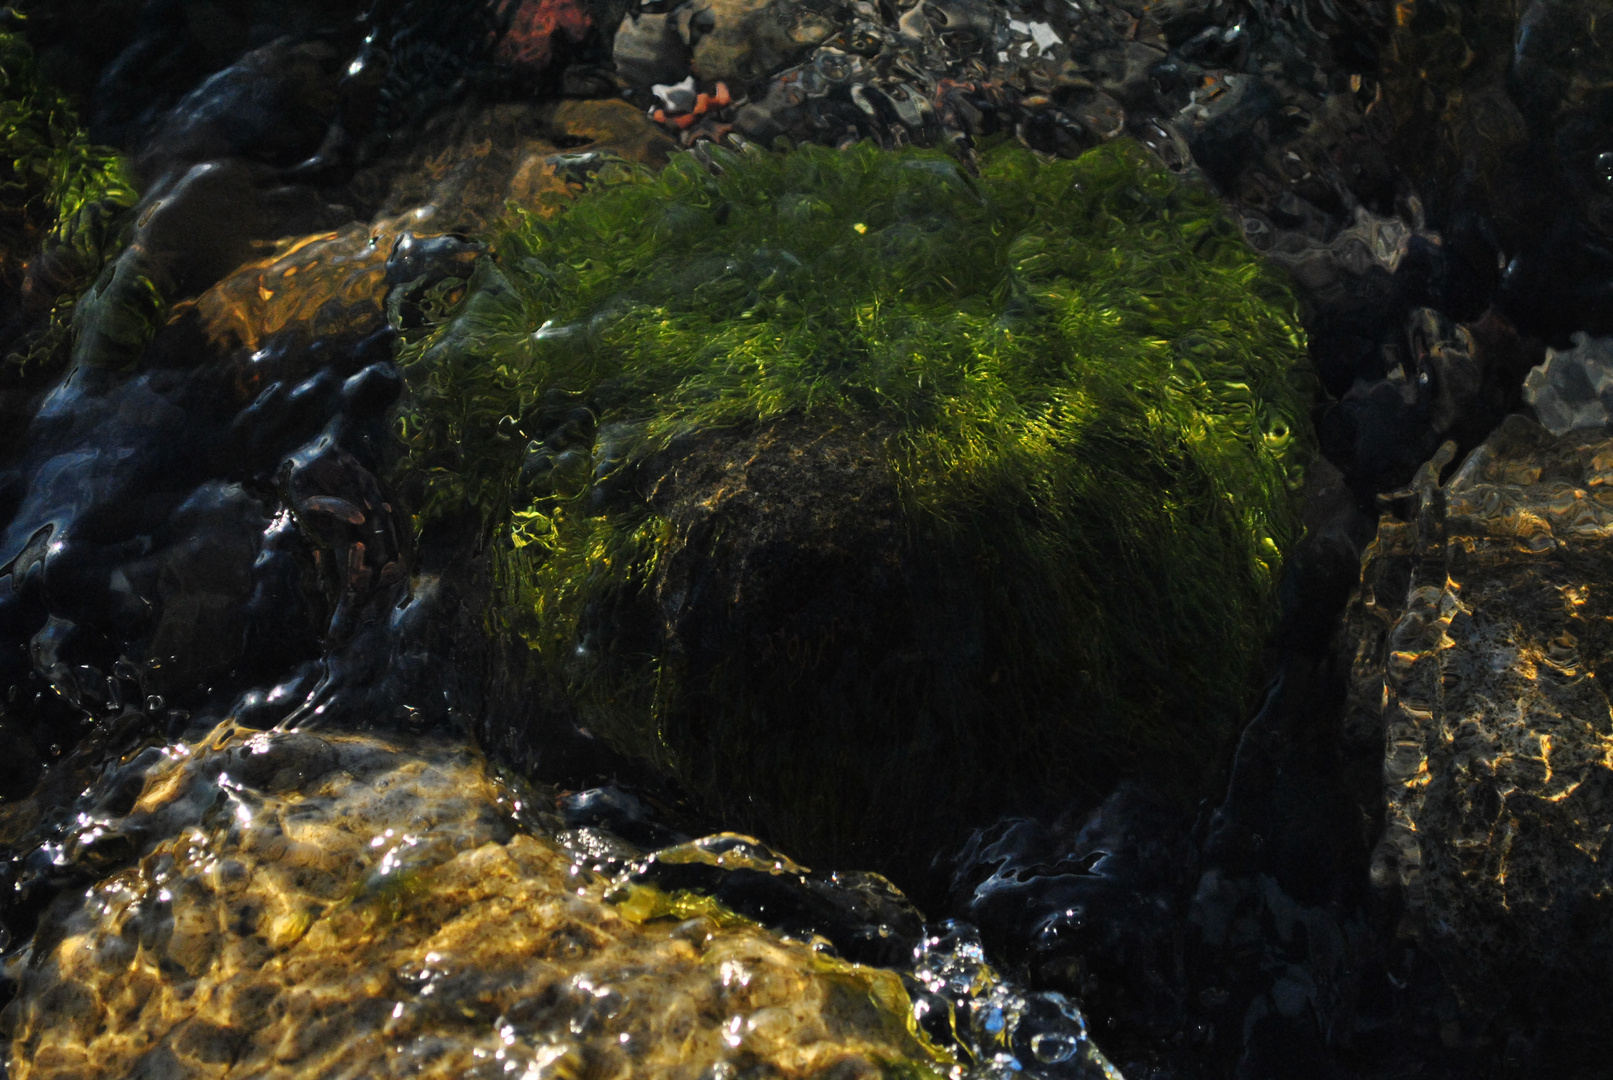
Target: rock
303,904
1088,906
213,173
648,50
189,235
1498,113
1481,645
131,62
207,358
337,282
461,175
823,615
1574,387
744,39
273,106
1447,380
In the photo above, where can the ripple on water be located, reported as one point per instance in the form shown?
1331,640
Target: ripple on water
351,905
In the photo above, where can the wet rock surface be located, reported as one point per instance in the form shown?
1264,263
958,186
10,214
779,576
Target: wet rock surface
1565,392
307,905
197,526
1481,653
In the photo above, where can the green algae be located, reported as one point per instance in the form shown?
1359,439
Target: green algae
51,175
59,200
1090,395
879,993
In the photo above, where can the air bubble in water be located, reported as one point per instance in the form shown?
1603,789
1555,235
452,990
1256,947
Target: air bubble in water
1052,1047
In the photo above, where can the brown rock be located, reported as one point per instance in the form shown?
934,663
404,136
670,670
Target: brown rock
438,941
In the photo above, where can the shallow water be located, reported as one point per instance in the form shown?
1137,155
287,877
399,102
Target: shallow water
315,905
272,801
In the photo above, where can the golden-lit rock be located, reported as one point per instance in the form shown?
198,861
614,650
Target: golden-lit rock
343,905
328,283
462,181
1483,636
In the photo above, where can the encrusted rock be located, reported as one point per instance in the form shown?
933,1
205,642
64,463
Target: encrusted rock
1484,637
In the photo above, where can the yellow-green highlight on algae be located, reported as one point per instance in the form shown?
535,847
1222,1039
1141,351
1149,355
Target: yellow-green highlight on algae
60,196
1046,423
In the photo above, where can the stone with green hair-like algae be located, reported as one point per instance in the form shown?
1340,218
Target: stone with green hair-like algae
868,497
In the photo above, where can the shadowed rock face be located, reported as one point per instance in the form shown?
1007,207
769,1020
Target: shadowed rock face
817,666
826,660
1483,640
800,622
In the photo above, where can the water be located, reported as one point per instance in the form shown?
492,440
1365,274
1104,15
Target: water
232,666
295,904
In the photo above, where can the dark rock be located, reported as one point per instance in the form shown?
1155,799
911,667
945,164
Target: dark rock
1091,908
1479,641
417,265
1499,112
648,50
135,60
1449,382
1570,389
272,106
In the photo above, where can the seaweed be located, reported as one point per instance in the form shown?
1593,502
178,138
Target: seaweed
60,198
1088,394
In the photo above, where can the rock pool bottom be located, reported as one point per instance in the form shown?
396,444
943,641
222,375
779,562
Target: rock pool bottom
298,905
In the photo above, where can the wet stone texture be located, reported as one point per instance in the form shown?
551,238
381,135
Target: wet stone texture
1409,883
306,905
1483,636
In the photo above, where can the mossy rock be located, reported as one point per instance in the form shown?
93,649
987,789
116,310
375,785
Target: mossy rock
869,497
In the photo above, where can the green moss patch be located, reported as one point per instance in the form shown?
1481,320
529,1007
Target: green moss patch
1037,433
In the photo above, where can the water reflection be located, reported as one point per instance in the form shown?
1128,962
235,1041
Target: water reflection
292,904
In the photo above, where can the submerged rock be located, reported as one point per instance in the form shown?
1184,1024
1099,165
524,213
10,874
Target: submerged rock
150,556
1573,388
1481,648
305,905
1500,114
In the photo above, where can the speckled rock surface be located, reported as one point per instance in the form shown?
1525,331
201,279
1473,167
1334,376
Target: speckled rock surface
1484,639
